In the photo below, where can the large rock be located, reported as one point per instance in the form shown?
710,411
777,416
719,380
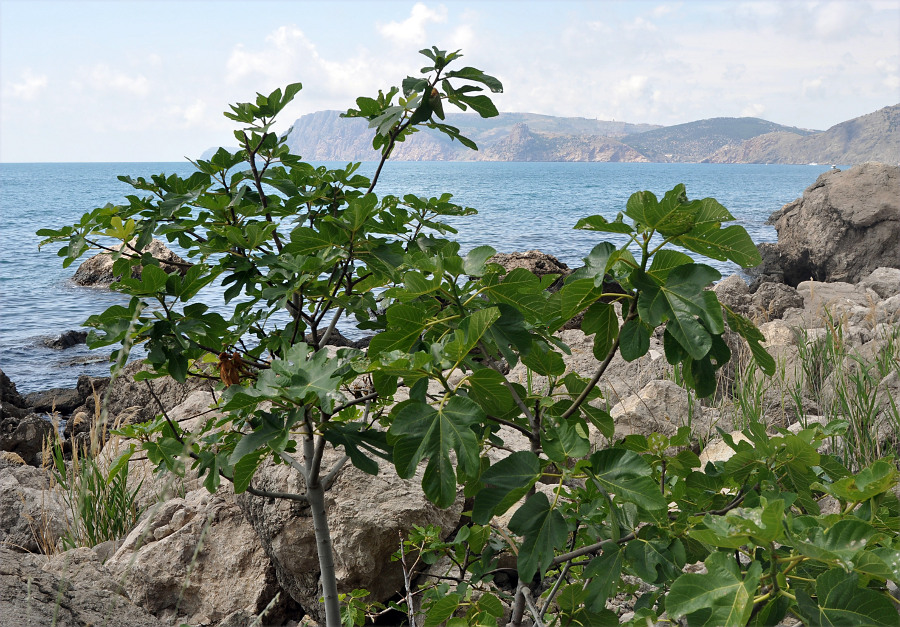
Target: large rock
97,271
195,559
661,406
32,516
125,395
846,225
25,436
12,405
69,590
58,400
535,261
883,281
367,516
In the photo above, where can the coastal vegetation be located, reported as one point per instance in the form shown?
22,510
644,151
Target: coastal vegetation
568,523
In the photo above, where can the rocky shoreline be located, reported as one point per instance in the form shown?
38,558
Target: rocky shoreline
221,559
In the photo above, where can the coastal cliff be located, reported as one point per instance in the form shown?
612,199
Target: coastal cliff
326,136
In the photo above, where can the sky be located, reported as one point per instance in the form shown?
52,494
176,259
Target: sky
148,80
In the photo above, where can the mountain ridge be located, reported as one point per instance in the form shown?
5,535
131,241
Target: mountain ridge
514,136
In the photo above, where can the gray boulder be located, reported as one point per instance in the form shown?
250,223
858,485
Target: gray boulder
367,516
195,559
97,271
25,436
69,590
61,400
845,226
140,399
66,340
883,281
32,516
11,402
535,261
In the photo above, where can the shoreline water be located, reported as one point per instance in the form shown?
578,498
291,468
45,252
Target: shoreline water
522,206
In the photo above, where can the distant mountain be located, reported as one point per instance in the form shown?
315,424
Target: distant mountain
695,141
871,137
325,136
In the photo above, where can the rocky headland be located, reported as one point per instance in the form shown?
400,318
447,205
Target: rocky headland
221,559
326,136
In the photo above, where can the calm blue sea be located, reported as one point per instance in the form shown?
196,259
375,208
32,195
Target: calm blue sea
521,206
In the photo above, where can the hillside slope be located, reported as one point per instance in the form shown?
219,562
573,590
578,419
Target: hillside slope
871,137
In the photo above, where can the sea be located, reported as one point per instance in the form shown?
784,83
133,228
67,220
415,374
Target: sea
521,206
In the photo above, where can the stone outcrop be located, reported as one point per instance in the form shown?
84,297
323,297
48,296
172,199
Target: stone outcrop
195,559
139,399
66,340
12,404
366,514
69,590
535,261
25,436
32,516
97,271
846,225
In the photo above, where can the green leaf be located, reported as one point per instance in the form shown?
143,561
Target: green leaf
753,336
475,260
680,300
599,223
245,469
487,388
725,595
604,571
869,482
841,601
634,339
601,321
425,431
507,481
732,243
627,475
441,610
543,360
476,75
577,296
563,442
544,530
406,322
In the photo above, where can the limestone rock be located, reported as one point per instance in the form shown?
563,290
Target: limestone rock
718,451
660,407
535,261
366,514
66,340
771,300
8,392
883,281
97,271
837,298
125,394
25,436
733,291
62,400
32,516
846,225
195,559
71,590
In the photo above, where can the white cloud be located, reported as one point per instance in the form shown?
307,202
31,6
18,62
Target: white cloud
102,78
754,110
814,87
30,86
411,31
890,72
